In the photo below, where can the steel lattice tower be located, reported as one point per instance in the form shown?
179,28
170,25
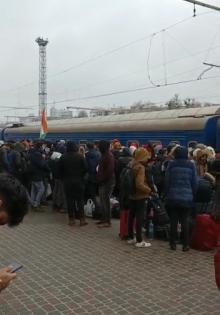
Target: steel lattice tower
42,74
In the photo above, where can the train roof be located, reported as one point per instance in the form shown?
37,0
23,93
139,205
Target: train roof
163,114
177,119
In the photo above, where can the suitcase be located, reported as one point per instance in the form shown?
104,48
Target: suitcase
205,233
123,234
124,214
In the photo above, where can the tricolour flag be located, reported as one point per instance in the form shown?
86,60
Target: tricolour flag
43,129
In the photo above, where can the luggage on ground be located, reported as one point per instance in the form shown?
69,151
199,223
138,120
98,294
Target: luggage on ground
123,234
157,213
89,208
205,233
160,216
124,215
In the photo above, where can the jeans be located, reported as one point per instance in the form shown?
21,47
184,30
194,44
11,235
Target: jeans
179,214
137,209
105,191
37,191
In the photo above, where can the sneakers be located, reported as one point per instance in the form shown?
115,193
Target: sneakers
143,244
132,241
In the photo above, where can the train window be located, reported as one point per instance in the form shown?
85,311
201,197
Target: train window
129,142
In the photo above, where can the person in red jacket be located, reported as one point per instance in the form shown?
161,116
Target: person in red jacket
106,181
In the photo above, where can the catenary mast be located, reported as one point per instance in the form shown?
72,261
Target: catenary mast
42,74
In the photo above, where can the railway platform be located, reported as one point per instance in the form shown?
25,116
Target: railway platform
73,270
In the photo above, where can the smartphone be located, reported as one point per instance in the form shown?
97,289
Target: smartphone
15,267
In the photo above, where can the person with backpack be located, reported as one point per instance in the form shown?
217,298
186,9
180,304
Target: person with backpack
180,191
18,162
138,195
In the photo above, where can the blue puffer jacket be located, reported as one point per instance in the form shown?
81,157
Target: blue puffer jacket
92,159
181,180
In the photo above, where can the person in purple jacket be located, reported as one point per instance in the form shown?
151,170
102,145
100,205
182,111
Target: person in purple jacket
106,182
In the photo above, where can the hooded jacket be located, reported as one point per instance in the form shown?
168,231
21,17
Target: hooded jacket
92,159
138,164
202,168
180,180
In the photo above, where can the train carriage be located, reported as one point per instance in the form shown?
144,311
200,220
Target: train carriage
182,125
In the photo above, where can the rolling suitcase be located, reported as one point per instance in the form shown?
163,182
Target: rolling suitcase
123,234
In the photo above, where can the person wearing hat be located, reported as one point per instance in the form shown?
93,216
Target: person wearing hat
180,190
137,199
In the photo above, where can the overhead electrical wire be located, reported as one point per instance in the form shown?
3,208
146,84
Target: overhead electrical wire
211,44
133,90
148,61
109,52
152,68
164,57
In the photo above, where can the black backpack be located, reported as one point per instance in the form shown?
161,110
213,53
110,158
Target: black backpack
160,214
127,185
204,191
127,181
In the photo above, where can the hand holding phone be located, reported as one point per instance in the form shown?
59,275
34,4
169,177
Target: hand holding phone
15,267
6,276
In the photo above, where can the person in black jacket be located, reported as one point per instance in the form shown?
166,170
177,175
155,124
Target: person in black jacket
106,181
73,169
92,158
38,167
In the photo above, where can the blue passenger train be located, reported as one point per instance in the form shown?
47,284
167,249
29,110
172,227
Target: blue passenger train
181,125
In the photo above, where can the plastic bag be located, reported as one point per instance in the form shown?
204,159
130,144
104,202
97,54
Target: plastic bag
89,208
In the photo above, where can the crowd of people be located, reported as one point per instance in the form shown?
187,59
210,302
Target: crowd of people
182,177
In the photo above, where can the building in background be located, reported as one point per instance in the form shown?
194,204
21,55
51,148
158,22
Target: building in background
60,113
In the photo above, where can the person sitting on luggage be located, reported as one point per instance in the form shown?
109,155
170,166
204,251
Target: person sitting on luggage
180,190
138,197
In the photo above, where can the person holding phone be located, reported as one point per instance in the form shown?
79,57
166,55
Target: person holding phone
6,276
13,208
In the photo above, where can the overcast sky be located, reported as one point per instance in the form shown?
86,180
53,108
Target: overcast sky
79,30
